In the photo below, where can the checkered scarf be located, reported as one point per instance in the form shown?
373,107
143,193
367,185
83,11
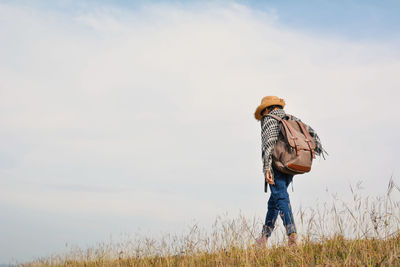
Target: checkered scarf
269,135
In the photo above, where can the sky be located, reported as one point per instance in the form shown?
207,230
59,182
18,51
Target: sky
120,117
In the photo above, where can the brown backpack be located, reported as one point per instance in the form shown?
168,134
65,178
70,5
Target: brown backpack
294,150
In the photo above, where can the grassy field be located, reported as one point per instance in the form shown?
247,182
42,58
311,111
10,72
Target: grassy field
362,232
335,251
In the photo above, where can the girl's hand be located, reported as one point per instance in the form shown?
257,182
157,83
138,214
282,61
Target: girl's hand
268,178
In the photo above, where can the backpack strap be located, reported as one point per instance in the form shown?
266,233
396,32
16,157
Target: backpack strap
279,118
275,117
308,137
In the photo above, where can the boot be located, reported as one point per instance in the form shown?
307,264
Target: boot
262,241
292,242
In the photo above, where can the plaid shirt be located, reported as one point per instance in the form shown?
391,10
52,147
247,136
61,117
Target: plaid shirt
269,135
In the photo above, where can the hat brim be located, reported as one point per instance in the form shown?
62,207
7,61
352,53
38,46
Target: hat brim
257,114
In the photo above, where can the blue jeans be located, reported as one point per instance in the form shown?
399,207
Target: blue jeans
279,203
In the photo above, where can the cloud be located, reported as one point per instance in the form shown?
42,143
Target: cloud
148,113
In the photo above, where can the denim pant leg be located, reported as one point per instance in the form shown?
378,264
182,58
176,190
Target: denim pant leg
272,215
279,203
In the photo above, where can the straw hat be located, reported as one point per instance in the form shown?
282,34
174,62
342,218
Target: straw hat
266,102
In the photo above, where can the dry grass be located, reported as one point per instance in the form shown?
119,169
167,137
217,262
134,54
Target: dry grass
362,232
